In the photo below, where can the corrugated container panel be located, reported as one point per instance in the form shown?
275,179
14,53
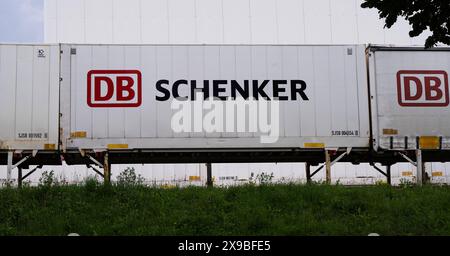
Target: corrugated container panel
29,81
220,22
335,90
410,90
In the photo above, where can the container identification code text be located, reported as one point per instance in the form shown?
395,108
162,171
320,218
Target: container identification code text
32,135
345,133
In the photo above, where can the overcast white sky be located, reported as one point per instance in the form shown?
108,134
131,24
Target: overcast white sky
21,21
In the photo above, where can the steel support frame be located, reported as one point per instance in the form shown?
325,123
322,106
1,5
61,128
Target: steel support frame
106,165
209,181
21,179
106,169
10,167
328,163
387,174
419,164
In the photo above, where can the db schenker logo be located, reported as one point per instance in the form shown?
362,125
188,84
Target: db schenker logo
422,88
114,88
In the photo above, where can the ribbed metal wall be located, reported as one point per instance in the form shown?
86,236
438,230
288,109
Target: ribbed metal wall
226,22
219,22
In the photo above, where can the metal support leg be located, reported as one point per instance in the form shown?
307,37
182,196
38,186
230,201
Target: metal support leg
388,175
419,174
327,167
308,173
9,167
19,177
209,181
107,170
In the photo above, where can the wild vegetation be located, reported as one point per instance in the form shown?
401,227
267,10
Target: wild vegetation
130,208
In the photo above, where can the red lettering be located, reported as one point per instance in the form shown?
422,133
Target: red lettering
98,88
407,81
125,84
433,84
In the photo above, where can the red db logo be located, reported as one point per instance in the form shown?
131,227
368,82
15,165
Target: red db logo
419,88
114,88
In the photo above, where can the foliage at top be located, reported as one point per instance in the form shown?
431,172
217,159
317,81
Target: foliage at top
421,14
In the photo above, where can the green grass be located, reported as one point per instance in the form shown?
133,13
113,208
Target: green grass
94,209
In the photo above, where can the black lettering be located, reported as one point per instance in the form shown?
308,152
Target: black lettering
295,89
175,87
260,89
277,89
217,89
195,89
163,90
236,87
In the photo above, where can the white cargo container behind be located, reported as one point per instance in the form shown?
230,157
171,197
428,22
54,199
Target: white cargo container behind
410,98
29,98
335,78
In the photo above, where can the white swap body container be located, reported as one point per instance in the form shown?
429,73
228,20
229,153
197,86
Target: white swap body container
410,98
29,97
334,115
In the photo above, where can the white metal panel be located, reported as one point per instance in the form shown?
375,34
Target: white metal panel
317,22
8,74
164,68
212,71
100,117
40,92
307,111
334,81
291,24
154,21
71,20
408,121
197,69
338,90
264,22
149,124
24,90
182,23
126,21
259,65
81,117
274,71
99,25
291,109
244,70
132,116
344,22
321,63
219,22
236,18
228,71
29,80
180,66
116,116
361,78
54,95
65,98
209,20
370,27
50,21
